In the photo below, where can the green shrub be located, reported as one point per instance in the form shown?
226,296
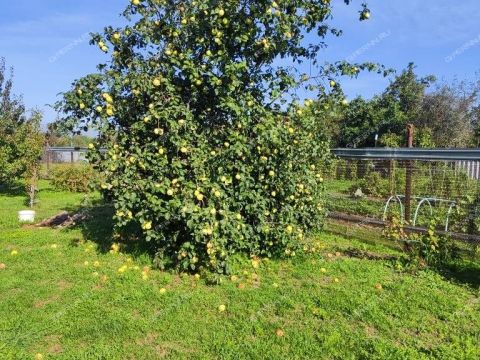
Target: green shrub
74,178
426,249
207,153
432,249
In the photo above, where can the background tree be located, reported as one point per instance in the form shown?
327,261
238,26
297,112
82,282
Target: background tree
449,112
447,116
21,141
57,136
385,115
360,122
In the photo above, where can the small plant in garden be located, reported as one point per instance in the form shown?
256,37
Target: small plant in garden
394,230
208,151
434,249
425,249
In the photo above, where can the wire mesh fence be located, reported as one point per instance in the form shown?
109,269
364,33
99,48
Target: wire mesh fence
416,186
371,186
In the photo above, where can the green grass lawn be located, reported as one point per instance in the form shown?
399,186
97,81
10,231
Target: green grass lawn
62,295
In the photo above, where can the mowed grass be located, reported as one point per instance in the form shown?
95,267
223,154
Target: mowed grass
62,295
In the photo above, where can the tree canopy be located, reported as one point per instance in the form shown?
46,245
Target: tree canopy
208,150
21,142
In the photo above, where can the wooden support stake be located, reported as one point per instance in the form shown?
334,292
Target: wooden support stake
408,175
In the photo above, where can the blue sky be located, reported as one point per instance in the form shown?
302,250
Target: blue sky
47,41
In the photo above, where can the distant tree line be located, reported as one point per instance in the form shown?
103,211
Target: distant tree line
444,114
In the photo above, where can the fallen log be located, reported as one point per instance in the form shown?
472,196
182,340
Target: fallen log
63,219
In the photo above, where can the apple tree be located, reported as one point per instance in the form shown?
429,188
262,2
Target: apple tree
205,146
21,139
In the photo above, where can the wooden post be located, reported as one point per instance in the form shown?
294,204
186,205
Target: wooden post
408,175
47,155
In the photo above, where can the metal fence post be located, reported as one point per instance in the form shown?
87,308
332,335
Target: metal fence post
408,175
